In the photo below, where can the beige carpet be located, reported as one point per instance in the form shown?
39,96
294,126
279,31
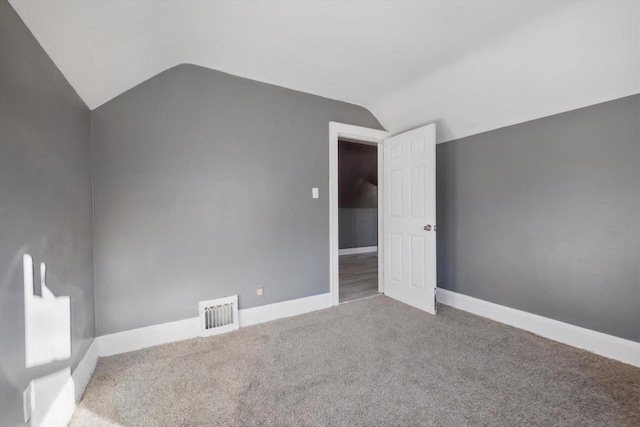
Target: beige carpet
373,362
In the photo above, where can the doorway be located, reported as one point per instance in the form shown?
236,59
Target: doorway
367,264
406,205
357,219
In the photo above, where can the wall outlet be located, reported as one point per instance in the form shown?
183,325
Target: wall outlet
260,291
314,193
29,401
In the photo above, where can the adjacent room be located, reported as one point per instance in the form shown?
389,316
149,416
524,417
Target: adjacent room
319,213
358,219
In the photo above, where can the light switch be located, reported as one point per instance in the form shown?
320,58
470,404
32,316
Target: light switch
314,192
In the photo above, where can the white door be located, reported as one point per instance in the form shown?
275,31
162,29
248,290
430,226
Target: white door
409,218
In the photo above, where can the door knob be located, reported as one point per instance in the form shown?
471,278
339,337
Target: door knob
427,227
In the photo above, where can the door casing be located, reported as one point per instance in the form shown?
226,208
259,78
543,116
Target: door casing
357,134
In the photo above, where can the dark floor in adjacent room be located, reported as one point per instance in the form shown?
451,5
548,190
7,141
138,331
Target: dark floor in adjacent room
358,276
374,362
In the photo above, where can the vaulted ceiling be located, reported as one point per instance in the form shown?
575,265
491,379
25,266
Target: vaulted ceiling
470,66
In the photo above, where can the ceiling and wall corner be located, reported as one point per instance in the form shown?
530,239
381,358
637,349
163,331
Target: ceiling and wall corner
222,167
45,211
544,217
468,66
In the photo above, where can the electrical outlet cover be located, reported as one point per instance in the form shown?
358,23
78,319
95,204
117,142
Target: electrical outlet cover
260,292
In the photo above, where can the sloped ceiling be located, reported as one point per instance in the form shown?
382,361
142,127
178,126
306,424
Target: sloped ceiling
470,66
357,175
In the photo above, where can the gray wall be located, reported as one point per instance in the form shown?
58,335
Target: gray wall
203,190
357,195
45,201
544,217
358,227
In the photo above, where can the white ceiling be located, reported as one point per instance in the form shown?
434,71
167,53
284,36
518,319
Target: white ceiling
470,66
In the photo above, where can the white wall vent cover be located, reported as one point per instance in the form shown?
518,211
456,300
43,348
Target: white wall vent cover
218,316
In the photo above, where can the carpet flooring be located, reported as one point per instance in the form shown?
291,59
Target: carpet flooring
373,362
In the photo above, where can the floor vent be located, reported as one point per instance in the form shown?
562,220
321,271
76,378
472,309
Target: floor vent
218,316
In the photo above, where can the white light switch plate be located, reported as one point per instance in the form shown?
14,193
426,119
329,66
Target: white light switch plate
314,192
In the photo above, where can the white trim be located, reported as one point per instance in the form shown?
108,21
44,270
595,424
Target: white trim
603,344
149,336
279,310
54,399
57,394
362,250
83,372
380,215
360,134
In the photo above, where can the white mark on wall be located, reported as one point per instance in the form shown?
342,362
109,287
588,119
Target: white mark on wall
47,320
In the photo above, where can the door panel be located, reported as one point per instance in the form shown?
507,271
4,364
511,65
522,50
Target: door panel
395,249
417,262
410,249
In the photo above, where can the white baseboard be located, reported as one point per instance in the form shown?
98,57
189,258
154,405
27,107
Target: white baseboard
149,336
596,342
279,310
54,397
362,250
83,372
56,394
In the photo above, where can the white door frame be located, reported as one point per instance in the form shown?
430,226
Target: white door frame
357,134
